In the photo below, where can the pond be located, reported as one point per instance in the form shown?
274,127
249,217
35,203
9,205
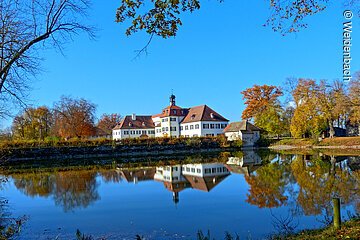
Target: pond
251,194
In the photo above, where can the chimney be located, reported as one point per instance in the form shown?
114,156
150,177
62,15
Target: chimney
133,117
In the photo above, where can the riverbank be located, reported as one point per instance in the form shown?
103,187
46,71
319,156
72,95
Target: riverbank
327,143
32,150
349,230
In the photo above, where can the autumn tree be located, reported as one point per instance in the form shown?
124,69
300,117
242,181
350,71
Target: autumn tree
26,28
308,118
163,18
354,99
33,123
108,121
74,118
262,105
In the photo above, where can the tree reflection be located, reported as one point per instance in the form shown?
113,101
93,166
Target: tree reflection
70,189
267,186
320,180
308,181
75,189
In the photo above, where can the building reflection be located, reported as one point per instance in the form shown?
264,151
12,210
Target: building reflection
203,177
137,175
247,163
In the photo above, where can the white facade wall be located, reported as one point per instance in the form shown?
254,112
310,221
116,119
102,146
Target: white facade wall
248,139
202,128
132,133
168,126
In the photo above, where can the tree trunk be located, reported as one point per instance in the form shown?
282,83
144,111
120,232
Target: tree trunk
331,131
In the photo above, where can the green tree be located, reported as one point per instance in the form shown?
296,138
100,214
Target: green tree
33,123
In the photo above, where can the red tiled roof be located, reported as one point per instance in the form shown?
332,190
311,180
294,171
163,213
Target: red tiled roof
141,122
241,126
172,110
203,113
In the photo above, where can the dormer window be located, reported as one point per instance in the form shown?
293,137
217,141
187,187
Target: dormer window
143,124
174,111
193,116
212,115
130,124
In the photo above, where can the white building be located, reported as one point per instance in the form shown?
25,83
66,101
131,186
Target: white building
244,131
173,121
134,127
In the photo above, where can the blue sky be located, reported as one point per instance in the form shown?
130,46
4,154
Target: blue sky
220,50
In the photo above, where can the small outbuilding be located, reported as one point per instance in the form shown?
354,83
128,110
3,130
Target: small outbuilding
245,131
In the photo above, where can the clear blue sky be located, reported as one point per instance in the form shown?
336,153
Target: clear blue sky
220,50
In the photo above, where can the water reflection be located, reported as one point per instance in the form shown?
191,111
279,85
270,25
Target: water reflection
202,177
70,189
304,183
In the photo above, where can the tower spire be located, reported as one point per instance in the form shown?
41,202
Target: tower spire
172,98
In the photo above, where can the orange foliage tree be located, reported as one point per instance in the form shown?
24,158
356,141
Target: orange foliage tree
74,118
262,105
108,121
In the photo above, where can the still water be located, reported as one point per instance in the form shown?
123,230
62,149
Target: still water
250,194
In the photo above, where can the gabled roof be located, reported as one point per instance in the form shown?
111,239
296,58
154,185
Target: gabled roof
241,126
172,110
141,122
203,113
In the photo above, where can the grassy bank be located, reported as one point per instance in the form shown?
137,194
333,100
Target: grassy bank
349,230
55,142
343,142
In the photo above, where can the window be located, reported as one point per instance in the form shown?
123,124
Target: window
225,169
174,168
143,132
206,126
175,178
163,129
197,126
198,170
186,127
217,126
223,125
173,129
172,119
212,126
165,119
167,128
192,170
219,169
188,169
181,128
213,170
126,132
207,170
191,127
174,111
